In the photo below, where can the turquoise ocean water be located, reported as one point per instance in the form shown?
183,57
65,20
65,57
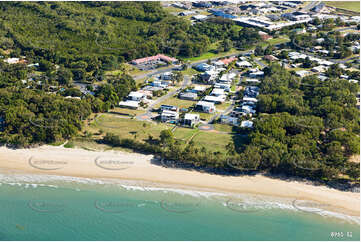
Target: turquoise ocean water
62,208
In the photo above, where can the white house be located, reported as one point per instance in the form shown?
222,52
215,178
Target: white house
243,64
256,74
136,96
247,124
250,99
302,73
207,107
129,104
166,76
217,92
168,115
191,119
215,99
229,120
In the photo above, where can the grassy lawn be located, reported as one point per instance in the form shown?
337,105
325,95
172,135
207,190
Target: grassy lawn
205,116
223,127
177,102
128,128
126,111
275,41
184,133
222,106
351,6
190,72
213,141
210,55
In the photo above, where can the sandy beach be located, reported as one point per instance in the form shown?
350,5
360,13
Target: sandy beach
133,166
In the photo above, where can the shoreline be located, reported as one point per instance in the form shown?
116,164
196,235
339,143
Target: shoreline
53,160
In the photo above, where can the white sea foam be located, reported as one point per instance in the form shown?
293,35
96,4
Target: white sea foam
248,201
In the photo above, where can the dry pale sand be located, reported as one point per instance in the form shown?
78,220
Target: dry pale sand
134,166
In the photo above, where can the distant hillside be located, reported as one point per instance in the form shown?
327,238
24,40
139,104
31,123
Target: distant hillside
73,29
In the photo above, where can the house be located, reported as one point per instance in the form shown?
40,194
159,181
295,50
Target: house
228,60
243,64
168,107
225,86
191,119
302,73
202,4
155,58
207,107
147,93
320,40
199,89
186,13
264,36
166,76
167,116
226,119
136,96
227,78
270,58
199,17
129,104
209,76
249,99
253,80
247,124
256,74
188,96
217,92
159,84
182,5
248,109
12,60
204,67
215,99
318,69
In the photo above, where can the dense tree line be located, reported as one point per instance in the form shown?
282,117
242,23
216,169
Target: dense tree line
88,37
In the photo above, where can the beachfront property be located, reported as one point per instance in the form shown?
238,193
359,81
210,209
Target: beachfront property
169,116
206,107
246,124
190,119
227,119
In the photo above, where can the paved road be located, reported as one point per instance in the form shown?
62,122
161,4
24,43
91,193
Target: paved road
147,115
310,6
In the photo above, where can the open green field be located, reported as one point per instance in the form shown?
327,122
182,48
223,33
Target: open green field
214,142
128,128
351,6
275,41
223,127
181,103
184,133
211,55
